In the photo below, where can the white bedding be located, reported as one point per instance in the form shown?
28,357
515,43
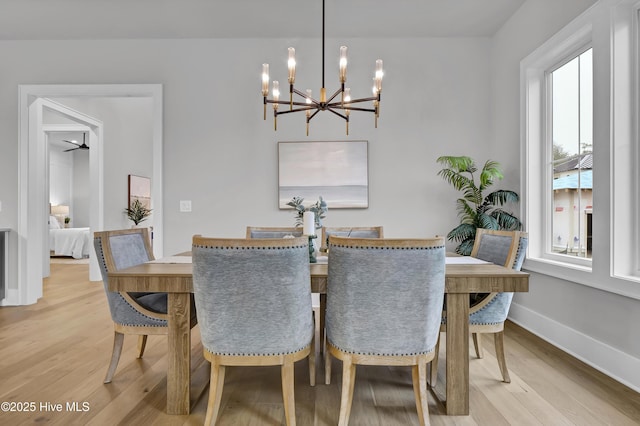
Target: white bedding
73,242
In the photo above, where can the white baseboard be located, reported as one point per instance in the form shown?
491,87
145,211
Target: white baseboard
614,363
10,297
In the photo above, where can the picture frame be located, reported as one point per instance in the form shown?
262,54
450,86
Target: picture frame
337,171
140,189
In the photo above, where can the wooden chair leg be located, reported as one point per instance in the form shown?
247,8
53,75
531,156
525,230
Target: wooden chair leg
327,367
477,344
502,360
420,392
434,365
118,341
216,384
312,363
346,399
288,391
142,343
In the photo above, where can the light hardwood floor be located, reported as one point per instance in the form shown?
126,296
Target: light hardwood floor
57,352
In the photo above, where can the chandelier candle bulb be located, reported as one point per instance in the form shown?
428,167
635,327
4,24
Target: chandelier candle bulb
343,64
309,223
265,86
276,98
291,65
379,74
265,79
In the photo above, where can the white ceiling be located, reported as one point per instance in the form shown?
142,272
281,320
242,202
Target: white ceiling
100,19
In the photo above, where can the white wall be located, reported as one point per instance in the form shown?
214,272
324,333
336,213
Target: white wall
81,189
60,177
221,155
596,326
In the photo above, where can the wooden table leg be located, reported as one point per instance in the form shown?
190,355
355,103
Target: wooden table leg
457,363
179,355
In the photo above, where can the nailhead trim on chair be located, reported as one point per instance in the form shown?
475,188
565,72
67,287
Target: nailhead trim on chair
386,248
377,354
248,248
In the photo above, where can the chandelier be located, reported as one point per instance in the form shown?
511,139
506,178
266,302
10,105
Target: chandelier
341,107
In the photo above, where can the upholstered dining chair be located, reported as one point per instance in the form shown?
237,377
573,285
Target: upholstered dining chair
272,232
139,314
253,300
488,311
352,232
384,305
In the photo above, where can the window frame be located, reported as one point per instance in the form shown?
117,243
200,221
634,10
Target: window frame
610,28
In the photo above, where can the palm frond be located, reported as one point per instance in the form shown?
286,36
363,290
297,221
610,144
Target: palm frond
501,197
466,213
473,194
455,179
490,173
462,232
506,220
460,164
486,221
465,247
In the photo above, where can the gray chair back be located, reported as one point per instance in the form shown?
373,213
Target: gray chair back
497,309
384,297
253,297
116,250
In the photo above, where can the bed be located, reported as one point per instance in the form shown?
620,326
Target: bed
74,242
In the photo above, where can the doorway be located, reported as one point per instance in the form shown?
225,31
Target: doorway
68,190
32,211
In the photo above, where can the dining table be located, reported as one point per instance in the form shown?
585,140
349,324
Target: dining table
173,275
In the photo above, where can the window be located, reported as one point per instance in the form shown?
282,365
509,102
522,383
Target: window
571,157
580,104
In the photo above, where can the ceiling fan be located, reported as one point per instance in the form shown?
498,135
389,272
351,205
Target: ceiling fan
78,146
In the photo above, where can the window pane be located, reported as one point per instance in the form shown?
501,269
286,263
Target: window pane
572,162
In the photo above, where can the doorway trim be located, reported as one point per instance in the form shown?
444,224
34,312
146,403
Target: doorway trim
31,205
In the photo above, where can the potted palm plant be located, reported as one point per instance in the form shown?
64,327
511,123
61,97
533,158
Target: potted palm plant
137,212
476,210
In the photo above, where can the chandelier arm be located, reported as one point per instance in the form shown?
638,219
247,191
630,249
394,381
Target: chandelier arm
312,115
308,108
338,114
304,95
355,101
269,101
350,108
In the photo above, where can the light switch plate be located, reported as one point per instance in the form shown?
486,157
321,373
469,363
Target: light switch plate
185,205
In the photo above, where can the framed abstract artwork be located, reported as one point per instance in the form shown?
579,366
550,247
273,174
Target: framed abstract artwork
140,189
336,170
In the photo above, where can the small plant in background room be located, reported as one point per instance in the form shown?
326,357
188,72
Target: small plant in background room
67,221
137,212
474,209
319,208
